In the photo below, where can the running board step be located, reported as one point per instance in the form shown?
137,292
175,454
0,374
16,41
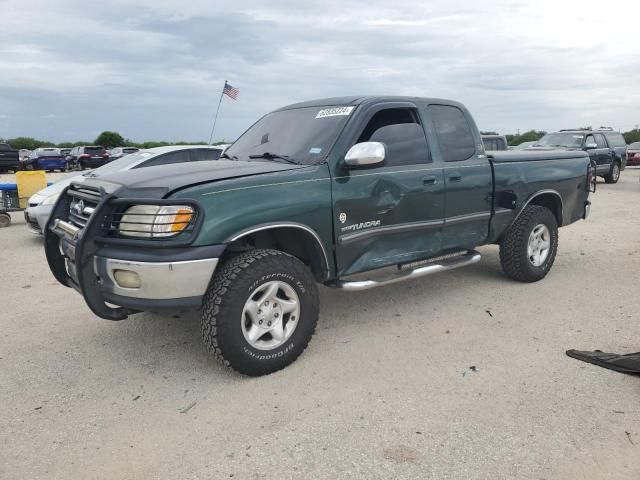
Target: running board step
438,266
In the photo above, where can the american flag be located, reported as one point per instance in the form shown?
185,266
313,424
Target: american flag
230,91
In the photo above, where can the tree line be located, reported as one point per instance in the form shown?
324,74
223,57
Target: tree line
532,135
113,139
106,139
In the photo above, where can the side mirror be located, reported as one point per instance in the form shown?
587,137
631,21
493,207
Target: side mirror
365,154
591,146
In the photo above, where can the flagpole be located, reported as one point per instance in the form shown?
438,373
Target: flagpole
217,110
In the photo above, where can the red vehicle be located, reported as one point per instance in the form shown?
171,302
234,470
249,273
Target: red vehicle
633,154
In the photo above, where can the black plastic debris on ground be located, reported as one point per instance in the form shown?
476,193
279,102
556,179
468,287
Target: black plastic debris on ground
629,363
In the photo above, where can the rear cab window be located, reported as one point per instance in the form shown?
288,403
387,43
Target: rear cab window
453,132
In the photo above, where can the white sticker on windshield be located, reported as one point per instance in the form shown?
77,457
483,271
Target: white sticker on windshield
334,112
315,150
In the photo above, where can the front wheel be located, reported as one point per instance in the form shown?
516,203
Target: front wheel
260,311
614,174
529,246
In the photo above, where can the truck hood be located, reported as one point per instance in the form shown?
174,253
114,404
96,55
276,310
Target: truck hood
168,178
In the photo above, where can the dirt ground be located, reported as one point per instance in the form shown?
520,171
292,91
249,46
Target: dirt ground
460,375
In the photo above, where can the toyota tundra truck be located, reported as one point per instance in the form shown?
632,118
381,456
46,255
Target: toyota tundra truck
351,193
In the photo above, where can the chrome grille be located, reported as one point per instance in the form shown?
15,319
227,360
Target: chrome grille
83,203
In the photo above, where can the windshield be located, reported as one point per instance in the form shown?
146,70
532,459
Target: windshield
304,135
120,164
568,140
634,146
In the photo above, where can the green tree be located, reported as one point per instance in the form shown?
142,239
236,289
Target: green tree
632,136
110,139
27,142
530,136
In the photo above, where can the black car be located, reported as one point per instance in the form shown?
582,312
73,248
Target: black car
9,158
90,156
606,148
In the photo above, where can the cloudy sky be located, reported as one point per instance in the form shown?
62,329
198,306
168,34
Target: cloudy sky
153,69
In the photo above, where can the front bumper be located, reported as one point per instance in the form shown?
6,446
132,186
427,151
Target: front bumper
37,218
160,285
171,276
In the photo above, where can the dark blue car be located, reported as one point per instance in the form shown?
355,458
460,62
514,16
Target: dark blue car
45,159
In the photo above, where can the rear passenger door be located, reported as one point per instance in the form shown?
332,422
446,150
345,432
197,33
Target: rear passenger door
467,176
390,213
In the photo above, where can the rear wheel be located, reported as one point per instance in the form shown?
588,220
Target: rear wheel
529,247
260,311
614,174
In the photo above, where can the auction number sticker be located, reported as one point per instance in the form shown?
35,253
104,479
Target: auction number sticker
334,112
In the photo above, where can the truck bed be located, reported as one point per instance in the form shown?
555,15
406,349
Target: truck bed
521,175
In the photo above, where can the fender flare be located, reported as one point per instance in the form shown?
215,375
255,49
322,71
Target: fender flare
274,226
533,196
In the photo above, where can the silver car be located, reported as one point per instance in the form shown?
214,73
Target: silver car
41,203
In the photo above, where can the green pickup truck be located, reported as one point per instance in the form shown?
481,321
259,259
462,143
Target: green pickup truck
352,193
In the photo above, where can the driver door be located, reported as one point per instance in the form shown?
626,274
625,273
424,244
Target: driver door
389,213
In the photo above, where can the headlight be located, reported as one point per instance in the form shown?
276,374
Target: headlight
155,221
51,199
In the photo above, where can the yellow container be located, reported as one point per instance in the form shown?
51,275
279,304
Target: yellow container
28,184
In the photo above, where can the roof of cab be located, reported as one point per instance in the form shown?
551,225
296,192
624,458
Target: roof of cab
358,99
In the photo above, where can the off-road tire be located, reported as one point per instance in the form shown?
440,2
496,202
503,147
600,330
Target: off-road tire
513,247
614,174
230,288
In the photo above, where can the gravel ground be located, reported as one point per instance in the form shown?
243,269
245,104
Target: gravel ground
460,375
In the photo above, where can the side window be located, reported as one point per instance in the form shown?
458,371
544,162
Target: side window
403,136
602,143
206,154
615,139
168,158
590,140
454,134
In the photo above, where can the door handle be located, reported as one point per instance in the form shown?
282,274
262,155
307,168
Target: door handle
455,177
430,180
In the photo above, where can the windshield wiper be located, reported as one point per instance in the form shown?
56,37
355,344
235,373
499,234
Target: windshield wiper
225,155
271,156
